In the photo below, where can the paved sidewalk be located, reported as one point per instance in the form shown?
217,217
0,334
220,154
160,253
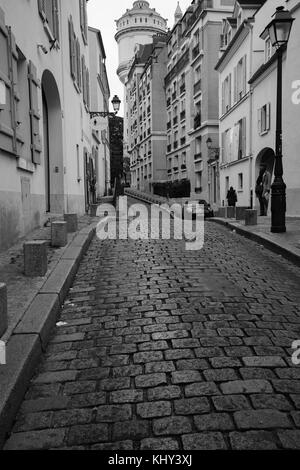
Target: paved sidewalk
287,244
21,289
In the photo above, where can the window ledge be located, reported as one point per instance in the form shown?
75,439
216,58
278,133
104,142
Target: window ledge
25,165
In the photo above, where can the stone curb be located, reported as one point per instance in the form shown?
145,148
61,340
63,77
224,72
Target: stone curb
287,252
31,335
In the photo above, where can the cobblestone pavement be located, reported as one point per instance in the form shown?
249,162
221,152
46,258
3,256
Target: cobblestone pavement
169,349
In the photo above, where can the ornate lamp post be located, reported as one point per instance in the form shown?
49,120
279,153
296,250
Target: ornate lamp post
116,102
278,30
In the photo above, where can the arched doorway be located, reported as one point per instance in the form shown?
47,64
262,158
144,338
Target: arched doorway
265,157
53,145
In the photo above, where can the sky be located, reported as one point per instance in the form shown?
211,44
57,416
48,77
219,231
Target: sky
102,15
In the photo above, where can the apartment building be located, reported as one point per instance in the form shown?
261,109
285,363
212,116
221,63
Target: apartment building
192,97
263,83
147,115
248,101
99,164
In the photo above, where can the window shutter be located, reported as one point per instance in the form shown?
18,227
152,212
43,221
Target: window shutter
83,78
81,14
88,89
235,85
56,19
34,85
223,98
244,137
268,118
85,20
78,62
223,147
7,112
72,50
259,120
244,74
13,55
229,91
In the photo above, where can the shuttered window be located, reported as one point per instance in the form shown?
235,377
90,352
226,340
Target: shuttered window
11,140
83,20
34,86
8,78
75,57
49,12
85,84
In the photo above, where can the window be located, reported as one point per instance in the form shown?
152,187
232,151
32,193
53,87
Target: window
240,182
268,50
264,119
83,20
242,138
227,184
49,12
240,79
226,94
20,84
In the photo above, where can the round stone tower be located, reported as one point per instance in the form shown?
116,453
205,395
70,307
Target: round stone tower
137,26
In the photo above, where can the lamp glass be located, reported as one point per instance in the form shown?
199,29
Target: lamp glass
272,34
116,104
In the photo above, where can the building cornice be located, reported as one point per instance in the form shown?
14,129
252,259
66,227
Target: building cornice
135,29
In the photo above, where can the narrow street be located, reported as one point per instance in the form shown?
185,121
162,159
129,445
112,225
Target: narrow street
162,348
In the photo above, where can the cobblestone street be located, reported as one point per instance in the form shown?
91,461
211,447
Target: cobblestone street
162,348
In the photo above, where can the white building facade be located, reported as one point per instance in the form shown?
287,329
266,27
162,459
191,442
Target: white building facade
248,100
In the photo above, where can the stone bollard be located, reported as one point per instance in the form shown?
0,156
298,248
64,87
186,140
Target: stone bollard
93,210
3,309
230,212
35,258
72,222
59,234
240,212
222,212
251,217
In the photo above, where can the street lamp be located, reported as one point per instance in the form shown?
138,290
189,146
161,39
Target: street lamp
278,30
116,102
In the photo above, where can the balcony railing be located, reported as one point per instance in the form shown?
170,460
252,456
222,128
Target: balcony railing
197,87
197,121
182,115
180,64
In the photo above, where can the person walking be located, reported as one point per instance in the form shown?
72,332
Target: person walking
266,184
232,197
259,191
